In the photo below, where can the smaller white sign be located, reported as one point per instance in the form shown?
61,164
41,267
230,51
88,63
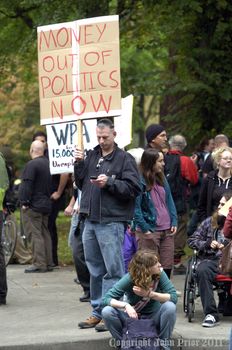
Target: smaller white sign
62,138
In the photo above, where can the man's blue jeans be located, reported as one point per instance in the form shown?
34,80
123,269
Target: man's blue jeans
104,258
164,319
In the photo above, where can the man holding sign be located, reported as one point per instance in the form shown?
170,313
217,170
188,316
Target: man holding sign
109,181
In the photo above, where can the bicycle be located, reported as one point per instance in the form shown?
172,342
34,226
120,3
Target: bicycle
9,232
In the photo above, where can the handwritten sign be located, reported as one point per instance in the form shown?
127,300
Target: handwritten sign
79,70
62,138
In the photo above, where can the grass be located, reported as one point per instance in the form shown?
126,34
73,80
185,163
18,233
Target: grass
64,251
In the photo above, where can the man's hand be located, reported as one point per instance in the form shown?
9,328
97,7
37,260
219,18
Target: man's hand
78,154
55,196
100,181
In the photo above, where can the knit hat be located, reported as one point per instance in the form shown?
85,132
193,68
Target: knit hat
152,131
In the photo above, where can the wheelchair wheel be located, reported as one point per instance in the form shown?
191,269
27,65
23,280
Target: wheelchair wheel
191,306
9,237
189,292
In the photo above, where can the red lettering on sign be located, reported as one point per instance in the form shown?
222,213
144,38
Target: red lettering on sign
115,80
44,35
59,112
101,31
45,84
48,64
82,103
101,101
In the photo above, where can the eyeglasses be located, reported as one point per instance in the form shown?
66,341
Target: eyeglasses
226,158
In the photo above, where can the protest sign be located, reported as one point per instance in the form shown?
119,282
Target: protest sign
79,70
62,138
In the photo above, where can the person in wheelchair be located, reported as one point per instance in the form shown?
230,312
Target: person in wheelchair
209,240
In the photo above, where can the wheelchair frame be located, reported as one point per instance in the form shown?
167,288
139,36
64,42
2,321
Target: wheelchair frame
191,290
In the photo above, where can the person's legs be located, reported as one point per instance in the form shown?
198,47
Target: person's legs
114,320
96,266
3,281
110,239
47,240
206,272
165,319
32,222
79,258
56,205
167,251
180,237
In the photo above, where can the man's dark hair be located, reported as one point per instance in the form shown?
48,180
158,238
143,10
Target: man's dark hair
105,122
39,133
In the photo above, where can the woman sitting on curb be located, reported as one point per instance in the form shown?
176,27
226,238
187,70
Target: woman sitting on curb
144,271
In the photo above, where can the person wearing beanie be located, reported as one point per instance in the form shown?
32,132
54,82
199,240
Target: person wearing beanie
156,136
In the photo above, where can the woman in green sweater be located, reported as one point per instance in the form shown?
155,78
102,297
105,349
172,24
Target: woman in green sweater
145,272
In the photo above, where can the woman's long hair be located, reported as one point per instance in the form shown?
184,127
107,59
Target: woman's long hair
148,160
218,220
139,268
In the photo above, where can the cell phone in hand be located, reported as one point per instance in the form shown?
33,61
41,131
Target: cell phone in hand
93,177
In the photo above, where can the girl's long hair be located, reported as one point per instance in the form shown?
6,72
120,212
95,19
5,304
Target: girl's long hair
148,160
139,268
217,220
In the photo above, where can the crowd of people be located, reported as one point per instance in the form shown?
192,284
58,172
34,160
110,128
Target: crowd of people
158,199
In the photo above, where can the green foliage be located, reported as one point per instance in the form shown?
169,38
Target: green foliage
177,51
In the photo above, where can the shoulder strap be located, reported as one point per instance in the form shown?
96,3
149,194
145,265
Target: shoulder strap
142,303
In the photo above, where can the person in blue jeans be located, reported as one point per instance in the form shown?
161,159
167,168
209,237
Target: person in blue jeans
109,181
144,272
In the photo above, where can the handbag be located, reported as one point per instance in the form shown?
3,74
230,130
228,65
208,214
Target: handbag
226,260
141,333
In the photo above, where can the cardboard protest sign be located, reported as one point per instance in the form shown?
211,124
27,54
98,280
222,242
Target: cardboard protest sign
79,70
62,138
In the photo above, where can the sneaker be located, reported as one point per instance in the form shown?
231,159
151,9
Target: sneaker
35,269
101,327
90,322
210,321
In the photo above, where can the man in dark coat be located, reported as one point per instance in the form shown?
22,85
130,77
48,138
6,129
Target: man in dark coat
34,195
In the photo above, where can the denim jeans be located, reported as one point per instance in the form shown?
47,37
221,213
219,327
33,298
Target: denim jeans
73,226
104,258
164,319
3,282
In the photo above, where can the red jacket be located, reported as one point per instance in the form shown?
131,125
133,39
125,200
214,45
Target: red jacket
188,168
227,229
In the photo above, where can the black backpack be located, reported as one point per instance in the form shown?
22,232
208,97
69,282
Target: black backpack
176,182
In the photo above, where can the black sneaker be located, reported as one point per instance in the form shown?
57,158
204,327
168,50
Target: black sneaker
210,321
35,269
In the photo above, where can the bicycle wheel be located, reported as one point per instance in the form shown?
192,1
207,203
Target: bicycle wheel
9,237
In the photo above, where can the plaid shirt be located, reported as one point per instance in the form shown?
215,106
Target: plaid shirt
202,238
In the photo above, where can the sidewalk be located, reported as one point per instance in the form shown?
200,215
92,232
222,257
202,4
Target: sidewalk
43,311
